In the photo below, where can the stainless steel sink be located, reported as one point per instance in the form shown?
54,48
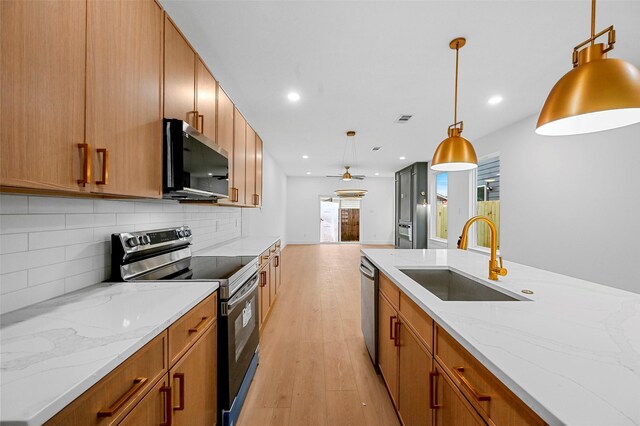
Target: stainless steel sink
451,286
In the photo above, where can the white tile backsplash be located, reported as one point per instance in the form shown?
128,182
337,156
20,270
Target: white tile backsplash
54,245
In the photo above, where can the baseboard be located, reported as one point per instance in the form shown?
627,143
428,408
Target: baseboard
369,243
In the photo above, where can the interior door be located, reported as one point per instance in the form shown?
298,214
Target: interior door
194,382
329,220
179,76
124,105
414,368
404,197
42,99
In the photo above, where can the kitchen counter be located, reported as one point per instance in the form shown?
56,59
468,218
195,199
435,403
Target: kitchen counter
570,350
53,351
247,246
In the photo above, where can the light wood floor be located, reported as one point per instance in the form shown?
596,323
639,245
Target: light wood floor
314,366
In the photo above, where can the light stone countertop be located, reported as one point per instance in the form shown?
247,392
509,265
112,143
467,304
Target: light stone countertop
571,352
246,246
53,351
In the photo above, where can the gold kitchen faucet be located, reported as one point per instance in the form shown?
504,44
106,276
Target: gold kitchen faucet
494,269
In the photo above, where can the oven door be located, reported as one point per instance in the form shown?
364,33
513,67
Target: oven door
243,330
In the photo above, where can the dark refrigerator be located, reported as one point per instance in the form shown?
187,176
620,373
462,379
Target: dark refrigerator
411,210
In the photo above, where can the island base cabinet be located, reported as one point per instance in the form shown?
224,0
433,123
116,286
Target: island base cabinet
193,382
387,349
154,409
449,406
413,379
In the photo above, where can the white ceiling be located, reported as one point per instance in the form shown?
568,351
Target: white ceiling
359,65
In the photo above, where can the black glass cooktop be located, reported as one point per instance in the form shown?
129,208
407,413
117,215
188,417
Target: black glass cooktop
200,268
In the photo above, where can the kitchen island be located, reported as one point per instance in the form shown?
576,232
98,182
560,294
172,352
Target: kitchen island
570,350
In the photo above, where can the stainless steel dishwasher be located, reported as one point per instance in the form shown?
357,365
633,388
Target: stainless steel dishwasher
369,307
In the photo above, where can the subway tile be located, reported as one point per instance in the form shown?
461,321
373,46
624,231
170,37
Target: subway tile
17,223
89,220
131,218
79,251
44,274
11,243
113,206
83,280
13,281
13,262
40,240
148,207
40,205
45,257
14,204
30,295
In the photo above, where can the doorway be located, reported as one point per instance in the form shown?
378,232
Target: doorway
339,220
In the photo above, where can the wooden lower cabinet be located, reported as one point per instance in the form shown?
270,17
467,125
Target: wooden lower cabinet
413,379
154,409
451,407
264,295
387,349
269,280
194,382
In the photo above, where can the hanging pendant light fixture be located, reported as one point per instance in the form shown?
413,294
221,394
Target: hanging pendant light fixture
455,153
599,93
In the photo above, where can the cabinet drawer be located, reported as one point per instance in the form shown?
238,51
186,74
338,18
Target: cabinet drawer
390,290
493,400
264,258
278,244
191,326
109,400
418,320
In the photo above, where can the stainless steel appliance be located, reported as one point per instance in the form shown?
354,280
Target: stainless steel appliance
194,167
164,254
411,206
369,307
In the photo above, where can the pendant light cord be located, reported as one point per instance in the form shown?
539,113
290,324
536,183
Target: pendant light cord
455,104
593,21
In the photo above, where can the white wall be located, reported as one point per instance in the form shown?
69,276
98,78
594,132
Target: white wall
568,204
53,245
270,220
303,208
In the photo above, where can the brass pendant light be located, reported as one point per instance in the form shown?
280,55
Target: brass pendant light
599,93
346,176
455,153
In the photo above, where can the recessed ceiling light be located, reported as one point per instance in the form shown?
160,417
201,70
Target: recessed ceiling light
305,156
377,174
403,158
293,96
495,100
308,173
210,174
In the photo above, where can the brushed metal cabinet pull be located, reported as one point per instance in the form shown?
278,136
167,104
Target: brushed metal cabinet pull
86,164
180,377
167,405
138,384
201,325
105,166
391,327
459,373
433,387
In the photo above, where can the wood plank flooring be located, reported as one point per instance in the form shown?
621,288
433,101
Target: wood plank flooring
314,366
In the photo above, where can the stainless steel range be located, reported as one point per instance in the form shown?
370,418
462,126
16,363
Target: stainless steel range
165,254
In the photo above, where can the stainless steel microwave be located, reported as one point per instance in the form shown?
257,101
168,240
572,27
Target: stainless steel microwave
194,167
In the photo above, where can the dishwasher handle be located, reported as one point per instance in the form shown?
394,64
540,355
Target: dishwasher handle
366,272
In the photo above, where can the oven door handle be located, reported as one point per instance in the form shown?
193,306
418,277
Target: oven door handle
232,303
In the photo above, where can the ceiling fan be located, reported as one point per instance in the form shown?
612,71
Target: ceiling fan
346,176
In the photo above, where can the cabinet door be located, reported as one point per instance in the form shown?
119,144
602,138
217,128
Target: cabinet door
387,349
250,173
206,101
278,271
42,100
265,300
258,171
179,76
413,380
193,381
239,157
404,198
124,105
273,281
451,408
154,409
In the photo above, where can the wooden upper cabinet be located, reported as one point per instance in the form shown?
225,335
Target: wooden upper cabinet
259,173
225,128
179,75
124,103
250,163
206,100
42,100
239,157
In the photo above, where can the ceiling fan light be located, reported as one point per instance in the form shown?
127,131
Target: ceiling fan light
599,94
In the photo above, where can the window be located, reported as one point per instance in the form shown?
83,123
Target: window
442,196
488,198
